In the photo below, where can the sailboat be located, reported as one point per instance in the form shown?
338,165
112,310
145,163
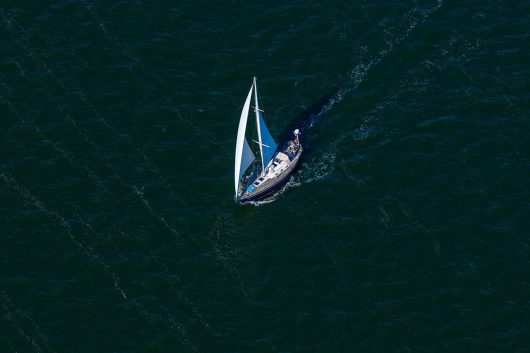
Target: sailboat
277,164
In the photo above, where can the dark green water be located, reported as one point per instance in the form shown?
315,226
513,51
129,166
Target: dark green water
406,229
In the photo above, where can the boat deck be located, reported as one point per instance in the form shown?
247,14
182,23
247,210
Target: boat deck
277,172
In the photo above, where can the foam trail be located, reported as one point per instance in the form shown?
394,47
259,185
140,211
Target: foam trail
354,79
138,191
33,201
356,76
172,322
107,267
11,346
89,252
359,73
326,163
169,320
11,27
201,131
56,146
173,283
184,297
25,326
225,257
90,173
147,205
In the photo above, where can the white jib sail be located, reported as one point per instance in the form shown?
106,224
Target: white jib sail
244,155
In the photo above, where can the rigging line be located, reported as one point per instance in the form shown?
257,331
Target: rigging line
262,144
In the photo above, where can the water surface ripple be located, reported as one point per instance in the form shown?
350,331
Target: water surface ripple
404,230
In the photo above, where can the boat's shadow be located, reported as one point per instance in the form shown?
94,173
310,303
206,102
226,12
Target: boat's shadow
303,122
307,118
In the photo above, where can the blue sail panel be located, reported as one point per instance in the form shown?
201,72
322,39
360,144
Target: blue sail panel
247,157
269,145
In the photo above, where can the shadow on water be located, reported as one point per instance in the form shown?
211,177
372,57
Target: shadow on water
307,118
303,122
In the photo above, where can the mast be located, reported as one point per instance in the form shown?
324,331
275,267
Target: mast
256,109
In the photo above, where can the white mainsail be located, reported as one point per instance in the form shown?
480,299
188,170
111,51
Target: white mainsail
244,155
